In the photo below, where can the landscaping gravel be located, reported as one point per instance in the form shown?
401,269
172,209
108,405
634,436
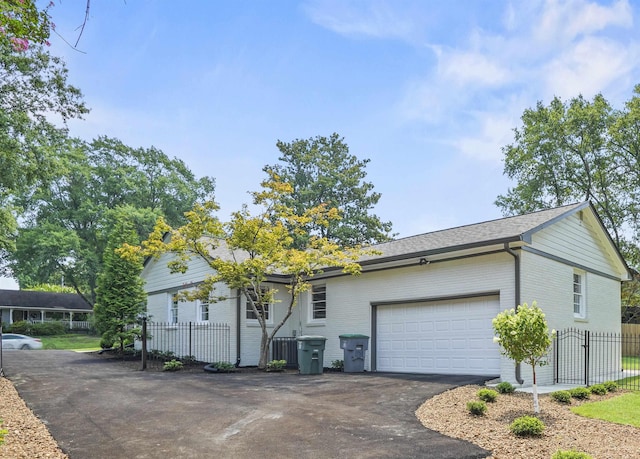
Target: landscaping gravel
447,413
27,436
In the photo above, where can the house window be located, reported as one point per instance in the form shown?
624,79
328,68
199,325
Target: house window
173,309
318,302
262,309
204,311
578,295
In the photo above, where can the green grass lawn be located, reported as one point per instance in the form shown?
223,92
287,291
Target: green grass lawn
631,363
71,341
624,409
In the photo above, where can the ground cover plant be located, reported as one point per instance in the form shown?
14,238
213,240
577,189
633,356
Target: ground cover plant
527,426
173,365
571,454
487,395
561,396
477,407
623,409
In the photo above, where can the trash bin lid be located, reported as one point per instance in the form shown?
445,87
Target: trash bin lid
310,338
353,336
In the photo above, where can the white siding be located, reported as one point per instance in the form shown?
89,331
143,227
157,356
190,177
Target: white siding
578,240
349,298
569,244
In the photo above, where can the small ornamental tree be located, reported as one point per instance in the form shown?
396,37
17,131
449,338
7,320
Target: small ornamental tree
259,246
523,336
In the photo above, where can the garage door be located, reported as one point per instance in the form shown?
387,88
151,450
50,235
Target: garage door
446,337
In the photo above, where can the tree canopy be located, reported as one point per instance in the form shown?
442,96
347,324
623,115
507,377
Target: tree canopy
33,91
579,150
323,172
120,297
260,245
68,218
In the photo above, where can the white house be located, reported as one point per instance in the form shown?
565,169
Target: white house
427,301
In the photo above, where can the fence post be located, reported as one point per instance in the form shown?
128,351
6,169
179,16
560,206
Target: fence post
190,353
586,357
144,343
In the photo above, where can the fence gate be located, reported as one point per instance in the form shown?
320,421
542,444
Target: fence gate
583,357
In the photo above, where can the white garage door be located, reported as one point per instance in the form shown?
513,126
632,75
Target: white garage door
448,337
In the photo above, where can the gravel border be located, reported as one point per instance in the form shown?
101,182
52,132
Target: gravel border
447,413
27,437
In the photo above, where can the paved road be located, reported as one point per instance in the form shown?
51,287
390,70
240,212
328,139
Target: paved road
97,408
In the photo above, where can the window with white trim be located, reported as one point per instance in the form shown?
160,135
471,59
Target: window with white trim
318,302
262,309
579,304
173,308
203,311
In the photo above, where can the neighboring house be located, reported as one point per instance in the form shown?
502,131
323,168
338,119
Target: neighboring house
17,305
427,301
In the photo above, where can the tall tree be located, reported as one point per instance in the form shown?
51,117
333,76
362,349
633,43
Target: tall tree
261,245
69,218
323,172
33,92
573,151
120,294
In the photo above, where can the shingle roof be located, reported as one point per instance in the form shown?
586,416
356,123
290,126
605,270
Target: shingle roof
43,300
509,229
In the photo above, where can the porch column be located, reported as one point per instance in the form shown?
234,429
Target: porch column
41,316
71,321
10,316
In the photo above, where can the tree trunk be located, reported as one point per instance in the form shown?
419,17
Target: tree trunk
536,404
264,350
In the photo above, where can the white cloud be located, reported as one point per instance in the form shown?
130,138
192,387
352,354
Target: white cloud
473,68
563,21
588,67
494,132
376,19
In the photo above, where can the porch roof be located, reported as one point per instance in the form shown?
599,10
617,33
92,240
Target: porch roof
49,301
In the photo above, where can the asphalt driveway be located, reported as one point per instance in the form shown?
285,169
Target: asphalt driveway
97,408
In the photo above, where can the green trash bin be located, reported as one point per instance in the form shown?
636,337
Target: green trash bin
311,354
355,347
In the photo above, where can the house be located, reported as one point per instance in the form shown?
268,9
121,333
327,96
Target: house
17,305
427,301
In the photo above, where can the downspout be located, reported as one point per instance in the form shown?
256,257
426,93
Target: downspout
238,328
517,294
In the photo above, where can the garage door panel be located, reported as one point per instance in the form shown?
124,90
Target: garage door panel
453,337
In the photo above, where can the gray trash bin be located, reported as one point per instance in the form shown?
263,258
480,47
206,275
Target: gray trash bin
311,354
355,347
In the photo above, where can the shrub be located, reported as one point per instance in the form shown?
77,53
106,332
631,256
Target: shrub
581,393
561,396
611,386
173,365
106,342
276,365
505,387
570,454
527,426
224,367
337,364
477,408
48,329
487,395
598,389
22,327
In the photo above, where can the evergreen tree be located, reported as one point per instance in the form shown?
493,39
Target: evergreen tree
120,296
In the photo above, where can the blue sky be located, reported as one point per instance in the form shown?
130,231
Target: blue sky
429,91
